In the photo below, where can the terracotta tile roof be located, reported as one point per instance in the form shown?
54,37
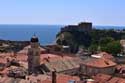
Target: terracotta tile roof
100,63
35,78
105,55
116,80
62,79
21,57
62,64
66,78
4,72
4,56
6,80
3,60
25,50
43,57
102,78
53,57
29,79
120,66
3,79
46,81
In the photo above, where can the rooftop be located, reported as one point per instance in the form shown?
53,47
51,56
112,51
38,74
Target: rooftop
25,50
104,55
61,63
102,78
99,63
61,78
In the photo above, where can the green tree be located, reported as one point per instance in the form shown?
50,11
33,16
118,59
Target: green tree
105,40
112,47
93,48
65,37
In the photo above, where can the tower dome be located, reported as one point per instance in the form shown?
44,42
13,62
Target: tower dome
34,39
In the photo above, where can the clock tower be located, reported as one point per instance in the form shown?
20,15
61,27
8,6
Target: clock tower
33,55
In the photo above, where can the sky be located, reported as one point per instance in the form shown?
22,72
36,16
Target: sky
53,12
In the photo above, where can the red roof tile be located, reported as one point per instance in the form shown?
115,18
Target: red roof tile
105,55
100,63
102,78
62,79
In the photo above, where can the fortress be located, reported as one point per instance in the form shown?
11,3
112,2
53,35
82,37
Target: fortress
83,26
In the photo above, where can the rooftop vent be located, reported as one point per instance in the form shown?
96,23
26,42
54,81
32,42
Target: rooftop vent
65,47
96,56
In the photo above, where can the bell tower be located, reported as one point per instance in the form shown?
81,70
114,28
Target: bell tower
33,55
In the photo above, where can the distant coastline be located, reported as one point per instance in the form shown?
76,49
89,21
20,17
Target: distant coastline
46,33
108,27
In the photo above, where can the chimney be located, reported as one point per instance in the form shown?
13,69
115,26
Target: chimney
66,49
54,76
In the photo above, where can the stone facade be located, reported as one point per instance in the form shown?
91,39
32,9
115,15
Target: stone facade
33,57
123,44
83,26
93,66
88,70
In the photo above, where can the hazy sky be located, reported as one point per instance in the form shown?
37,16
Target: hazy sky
100,12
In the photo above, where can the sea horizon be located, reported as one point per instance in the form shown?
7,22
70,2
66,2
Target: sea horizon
46,33
63,25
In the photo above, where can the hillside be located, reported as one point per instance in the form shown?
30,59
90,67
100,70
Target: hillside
86,39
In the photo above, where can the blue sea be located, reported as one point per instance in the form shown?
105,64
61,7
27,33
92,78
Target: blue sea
46,33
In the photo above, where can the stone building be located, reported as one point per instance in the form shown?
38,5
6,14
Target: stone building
93,66
34,55
104,78
123,44
63,65
83,26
